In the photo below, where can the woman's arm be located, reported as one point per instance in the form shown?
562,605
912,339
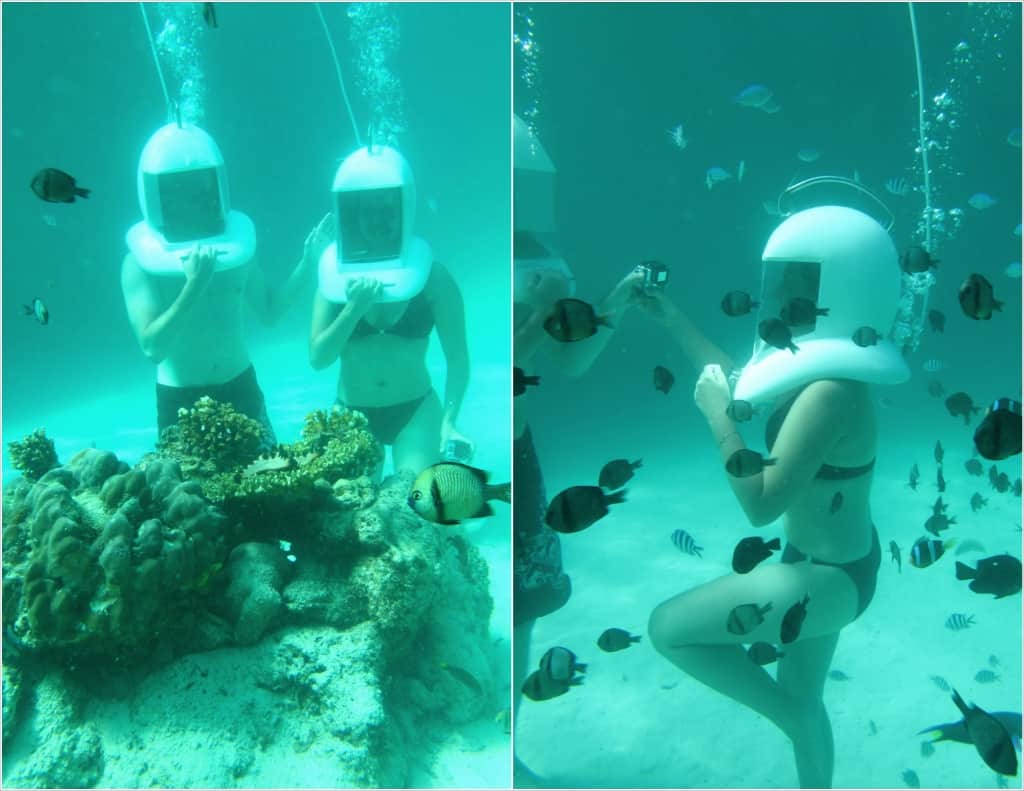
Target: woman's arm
269,305
450,318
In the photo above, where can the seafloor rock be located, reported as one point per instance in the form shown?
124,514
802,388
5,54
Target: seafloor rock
12,688
257,573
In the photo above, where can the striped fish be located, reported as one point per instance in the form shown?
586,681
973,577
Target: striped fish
685,543
958,621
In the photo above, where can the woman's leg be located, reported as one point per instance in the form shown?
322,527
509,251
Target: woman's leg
690,630
417,445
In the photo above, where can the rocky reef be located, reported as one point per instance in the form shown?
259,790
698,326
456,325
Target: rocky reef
112,572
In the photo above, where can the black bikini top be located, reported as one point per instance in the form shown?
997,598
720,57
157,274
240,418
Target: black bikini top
827,472
415,322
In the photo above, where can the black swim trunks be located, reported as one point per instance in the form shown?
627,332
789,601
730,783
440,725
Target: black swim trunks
243,393
863,572
386,422
540,586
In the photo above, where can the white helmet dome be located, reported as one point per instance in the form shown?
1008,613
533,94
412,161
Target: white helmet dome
842,260
183,194
374,205
534,245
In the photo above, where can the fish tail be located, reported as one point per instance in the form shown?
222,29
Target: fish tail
965,572
936,732
769,461
499,491
960,703
997,305
603,320
793,348
823,311
637,464
82,191
617,497
634,638
775,543
581,667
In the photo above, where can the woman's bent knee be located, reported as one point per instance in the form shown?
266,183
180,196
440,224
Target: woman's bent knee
664,629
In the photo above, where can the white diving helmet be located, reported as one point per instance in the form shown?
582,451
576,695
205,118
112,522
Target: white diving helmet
183,193
374,205
533,213
843,260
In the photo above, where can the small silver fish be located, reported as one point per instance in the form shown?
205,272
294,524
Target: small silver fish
985,676
675,134
684,542
940,682
958,621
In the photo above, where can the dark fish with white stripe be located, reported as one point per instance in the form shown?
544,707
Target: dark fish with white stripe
775,333
745,462
976,298
56,186
449,492
926,551
573,320
738,303
752,550
578,507
616,640
616,473
746,617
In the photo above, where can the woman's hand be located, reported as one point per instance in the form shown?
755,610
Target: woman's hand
318,239
362,293
658,306
627,292
712,393
449,432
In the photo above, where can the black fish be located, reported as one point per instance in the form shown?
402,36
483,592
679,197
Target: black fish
746,617
938,522
998,436
775,333
573,320
976,299
961,404
764,653
939,507
616,640
464,677
999,575
926,551
209,15
940,482
520,381
740,411
957,731
866,336
738,303
751,551
560,665
745,462
1016,488
837,502
838,675
915,475
56,186
578,507
937,319
39,310
793,620
684,542
1002,483
990,737
910,778
973,467
617,472
938,452
539,687
663,379
800,311
894,554
916,259
977,501
935,389
993,476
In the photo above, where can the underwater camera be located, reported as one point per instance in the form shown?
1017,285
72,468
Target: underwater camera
655,274
457,450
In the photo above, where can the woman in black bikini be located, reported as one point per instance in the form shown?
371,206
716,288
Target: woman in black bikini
823,436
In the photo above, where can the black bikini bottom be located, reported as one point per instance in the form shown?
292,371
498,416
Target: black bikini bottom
863,572
386,422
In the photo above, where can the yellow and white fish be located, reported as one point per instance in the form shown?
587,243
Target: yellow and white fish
449,492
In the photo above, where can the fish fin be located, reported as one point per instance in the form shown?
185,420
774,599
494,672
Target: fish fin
617,497
574,682
448,521
775,543
581,667
637,464
499,491
769,461
997,305
484,510
603,320
793,348
823,311
965,572
83,192
964,709
634,638
936,733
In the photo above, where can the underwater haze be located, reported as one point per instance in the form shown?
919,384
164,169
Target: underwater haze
81,94
637,104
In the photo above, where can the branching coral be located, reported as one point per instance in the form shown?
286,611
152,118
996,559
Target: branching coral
212,437
34,456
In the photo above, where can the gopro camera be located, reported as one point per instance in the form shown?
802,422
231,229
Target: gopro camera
457,450
655,274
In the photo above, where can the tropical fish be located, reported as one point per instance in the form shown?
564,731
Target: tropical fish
838,675
865,336
745,462
675,134
740,411
463,677
449,492
209,15
937,320
684,542
573,320
977,501
927,749
958,621
578,507
39,310
973,467
764,653
939,507
916,259
941,683
56,186
663,379
520,381
738,303
940,481
746,617
539,687
752,550
617,472
990,737
999,575
976,298
961,405
808,155
999,435
793,620
935,389
985,676
616,640
894,554
716,175
957,731
981,201
560,665
926,551
932,366
755,95
897,186
775,333
915,476
911,779
837,502
799,311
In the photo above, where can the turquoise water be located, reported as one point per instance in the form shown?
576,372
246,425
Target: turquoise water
272,103
614,79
